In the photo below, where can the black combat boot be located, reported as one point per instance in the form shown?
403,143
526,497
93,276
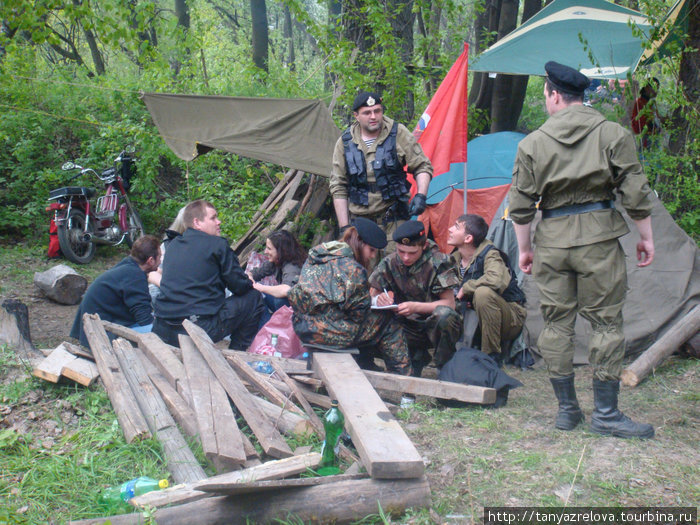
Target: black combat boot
569,414
608,420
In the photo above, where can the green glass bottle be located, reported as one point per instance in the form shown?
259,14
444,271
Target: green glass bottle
333,424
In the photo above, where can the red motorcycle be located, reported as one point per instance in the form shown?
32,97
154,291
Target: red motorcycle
83,224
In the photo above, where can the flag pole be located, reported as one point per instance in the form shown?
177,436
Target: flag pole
466,126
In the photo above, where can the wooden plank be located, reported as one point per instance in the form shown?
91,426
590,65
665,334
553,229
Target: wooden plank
81,371
263,386
122,331
661,349
275,224
385,449
130,418
180,460
288,423
78,351
269,438
186,492
49,368
296,391
169,365
289,365
178,406
275,484
218,432
431,387
341,502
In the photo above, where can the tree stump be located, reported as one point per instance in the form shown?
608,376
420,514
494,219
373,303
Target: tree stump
61,284
14,329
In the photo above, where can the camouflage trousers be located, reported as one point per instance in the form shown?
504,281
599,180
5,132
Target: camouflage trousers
440,331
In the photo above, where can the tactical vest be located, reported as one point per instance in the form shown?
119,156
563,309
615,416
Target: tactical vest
388,171
512,293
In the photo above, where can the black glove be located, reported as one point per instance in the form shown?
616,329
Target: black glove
417,205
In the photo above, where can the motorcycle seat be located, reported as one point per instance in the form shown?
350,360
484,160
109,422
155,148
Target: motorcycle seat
72,191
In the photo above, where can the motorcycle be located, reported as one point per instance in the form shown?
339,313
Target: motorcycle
112,219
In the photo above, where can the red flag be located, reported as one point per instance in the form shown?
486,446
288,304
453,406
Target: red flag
442,129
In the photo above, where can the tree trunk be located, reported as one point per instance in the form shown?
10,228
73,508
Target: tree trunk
501,119
689,78
258,14
289,35
402,29
482,87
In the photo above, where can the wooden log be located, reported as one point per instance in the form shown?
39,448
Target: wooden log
218,431
178,406
123,401
186,492
663,348
692,346
246,372
269,438
339,503
14,329
61,284
275,223
307,196
180,460
431,388
385,449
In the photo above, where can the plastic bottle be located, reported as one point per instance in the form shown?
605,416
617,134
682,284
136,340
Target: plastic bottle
121,494
333,424
264,367
273,343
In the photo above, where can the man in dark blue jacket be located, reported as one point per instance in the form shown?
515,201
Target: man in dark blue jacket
120,295
198,269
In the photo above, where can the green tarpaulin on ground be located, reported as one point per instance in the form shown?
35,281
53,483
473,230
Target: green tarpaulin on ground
293,133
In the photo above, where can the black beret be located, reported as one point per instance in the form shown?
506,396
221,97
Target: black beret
366,98
409,232
370,233
566,79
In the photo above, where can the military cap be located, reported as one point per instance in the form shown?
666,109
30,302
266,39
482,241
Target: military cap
366,98
409,233
370,233
566,79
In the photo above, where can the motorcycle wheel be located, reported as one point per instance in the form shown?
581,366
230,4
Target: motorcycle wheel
135,225
71,239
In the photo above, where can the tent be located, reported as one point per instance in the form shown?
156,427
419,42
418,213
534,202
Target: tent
594,36
293,133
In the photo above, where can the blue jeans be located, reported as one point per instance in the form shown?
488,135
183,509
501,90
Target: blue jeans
272,305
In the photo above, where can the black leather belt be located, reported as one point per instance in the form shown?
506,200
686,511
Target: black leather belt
575,209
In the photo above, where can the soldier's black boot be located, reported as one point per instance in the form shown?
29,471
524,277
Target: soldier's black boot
569,414
608,420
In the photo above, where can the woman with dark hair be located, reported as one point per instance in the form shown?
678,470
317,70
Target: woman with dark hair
285,258
332,305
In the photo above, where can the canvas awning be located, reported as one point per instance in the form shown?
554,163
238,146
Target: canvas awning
594,36
294,133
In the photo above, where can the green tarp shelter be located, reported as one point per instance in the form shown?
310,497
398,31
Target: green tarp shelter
593,36
293,133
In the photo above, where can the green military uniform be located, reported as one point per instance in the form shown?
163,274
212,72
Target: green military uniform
410,154
423,281
500,320
332,306
577,157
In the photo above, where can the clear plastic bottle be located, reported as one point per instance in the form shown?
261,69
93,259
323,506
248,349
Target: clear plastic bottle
333,424
121,494
273,342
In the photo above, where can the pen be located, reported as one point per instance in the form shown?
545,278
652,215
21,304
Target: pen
386,293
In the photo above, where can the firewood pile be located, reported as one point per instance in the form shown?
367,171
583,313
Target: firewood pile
297,198
199,390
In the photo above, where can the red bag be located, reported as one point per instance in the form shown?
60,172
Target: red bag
288,344
54,247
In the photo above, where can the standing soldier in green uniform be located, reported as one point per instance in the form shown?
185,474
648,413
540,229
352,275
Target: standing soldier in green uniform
368,178
332,305
574,162
421,281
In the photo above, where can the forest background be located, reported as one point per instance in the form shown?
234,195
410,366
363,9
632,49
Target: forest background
71,72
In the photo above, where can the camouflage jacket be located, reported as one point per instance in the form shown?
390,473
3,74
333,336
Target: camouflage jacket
331,299
423,281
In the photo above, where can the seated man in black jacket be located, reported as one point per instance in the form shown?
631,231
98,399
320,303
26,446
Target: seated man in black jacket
200,266
120,295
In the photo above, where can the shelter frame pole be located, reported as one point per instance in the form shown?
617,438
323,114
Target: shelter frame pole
466,128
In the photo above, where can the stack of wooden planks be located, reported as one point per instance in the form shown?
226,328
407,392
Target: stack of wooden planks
297,194
162,391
